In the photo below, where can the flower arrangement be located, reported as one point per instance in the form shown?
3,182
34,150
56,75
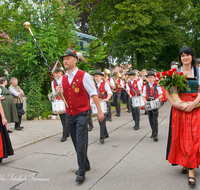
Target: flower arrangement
172,78
172,81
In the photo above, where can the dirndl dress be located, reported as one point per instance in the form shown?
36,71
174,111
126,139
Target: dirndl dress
183,146
5,143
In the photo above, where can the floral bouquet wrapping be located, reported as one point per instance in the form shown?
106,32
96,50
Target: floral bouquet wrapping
174,81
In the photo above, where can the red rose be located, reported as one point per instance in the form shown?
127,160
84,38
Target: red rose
177,73
164,73
181,73
74,52
170,73
174,69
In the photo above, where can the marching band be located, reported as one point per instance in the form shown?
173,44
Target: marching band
91,94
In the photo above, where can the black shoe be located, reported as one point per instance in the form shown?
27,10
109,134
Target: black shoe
107,119
151,136
192,183
106,136
184,170
110,120
18,128
155,138
80,178
90,128
9,131
118,115
136,128
21,127
146,113
63,139
88,169
101,141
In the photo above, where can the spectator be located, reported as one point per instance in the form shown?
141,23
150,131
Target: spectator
17,93
7,102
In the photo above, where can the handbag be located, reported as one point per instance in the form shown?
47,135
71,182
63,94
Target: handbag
19,107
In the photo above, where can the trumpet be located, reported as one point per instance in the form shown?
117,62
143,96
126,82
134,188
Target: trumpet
117,75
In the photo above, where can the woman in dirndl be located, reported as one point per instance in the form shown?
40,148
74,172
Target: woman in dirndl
183,146
5,144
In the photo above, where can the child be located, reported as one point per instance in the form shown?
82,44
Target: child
152,92
134,88
104,93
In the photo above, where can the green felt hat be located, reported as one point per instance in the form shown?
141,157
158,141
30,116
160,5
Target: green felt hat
70,52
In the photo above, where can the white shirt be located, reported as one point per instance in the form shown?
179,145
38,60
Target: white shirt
144,90
111,81
59,81
107,87
138,84
88,83
14,92
193,73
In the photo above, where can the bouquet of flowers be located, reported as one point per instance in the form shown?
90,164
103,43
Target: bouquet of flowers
172,78
174,81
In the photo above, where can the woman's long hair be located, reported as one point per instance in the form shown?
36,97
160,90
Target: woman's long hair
187,50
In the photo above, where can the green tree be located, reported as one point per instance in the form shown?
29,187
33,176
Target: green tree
139,30
52,23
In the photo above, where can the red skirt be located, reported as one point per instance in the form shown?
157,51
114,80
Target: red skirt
184,135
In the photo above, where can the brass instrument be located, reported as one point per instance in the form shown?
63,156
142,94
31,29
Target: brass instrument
106,72
125,81
117,75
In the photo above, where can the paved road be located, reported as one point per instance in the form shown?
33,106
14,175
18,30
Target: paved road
128,159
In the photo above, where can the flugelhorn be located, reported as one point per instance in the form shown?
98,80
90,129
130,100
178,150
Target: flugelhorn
28,26
106,72
117,75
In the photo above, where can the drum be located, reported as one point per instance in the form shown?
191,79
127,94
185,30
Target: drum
152,105
58,107
103,107
137,101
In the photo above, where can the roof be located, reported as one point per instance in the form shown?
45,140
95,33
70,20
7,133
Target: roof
86,36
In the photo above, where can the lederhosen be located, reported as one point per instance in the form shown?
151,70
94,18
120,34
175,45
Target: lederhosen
63,118
153,114
135,110
183,146
102,94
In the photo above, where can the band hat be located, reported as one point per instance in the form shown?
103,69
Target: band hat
151,73
174,63
70,52
58,69
98,72
132,72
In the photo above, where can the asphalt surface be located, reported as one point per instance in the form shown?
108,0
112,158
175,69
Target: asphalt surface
128,159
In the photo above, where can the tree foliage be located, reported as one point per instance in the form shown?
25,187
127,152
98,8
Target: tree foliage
140,30
52,23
